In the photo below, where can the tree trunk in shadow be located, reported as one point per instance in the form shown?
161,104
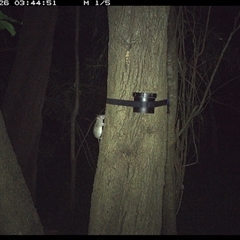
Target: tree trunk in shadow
24,98
18,214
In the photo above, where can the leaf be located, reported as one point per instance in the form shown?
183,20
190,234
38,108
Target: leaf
6,18
3,16
8,26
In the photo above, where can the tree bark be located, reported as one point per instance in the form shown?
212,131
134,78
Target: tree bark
128,186
24,98
18,214
169,197
74,117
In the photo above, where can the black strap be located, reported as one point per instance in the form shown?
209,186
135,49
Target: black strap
136,104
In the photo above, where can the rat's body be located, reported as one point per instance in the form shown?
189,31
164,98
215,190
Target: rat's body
98,126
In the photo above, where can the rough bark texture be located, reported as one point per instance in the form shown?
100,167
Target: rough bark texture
18,214
24,98
169,197
128,186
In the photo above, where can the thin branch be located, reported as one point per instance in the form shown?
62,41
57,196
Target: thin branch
218,63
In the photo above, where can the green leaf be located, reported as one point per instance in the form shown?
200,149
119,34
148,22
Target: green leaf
8,26
5,23
3,16
6,18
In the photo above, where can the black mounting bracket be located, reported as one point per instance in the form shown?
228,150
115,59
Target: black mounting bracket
143,102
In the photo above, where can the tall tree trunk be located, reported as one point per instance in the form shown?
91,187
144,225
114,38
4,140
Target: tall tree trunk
74,116
24,98
128,186
18,214
169,197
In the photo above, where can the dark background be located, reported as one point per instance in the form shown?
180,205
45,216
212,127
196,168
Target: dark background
211,188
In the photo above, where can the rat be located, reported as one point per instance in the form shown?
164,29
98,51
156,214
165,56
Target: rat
98,127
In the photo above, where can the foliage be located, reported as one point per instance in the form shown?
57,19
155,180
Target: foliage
5,23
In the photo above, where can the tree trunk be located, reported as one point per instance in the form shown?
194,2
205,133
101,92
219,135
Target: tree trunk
169,197
18,214
24,98
128,186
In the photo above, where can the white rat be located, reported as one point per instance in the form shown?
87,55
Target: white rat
98,127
